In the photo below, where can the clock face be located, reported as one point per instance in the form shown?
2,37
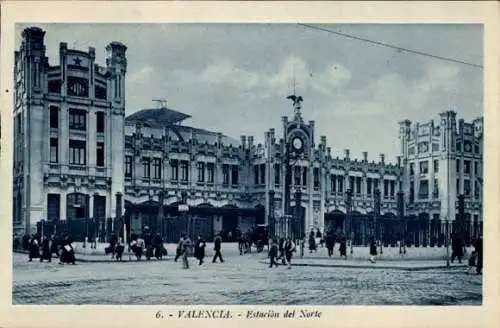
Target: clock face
297,143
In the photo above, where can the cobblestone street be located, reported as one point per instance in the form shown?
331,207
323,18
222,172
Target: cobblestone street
239,280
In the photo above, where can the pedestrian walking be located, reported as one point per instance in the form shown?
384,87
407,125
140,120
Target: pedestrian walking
289,250
178,251
457,248
113,240
478,246
148,242
330,243
281,249
217,249
343,247
373,250
119,249
273,253
46,253
186,245
159,250
312,242
199,250
34,247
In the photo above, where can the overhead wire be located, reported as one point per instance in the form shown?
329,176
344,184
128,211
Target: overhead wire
387,45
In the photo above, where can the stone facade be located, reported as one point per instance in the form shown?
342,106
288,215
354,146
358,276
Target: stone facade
76,157
68,133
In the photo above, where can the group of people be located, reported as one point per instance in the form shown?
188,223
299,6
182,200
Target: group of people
145,244
185,245
45,247
281,251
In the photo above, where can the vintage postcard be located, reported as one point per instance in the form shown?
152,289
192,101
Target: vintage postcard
249,163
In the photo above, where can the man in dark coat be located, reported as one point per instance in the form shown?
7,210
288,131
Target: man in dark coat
457,248
312,242
34,247
217,248
113,240
199,250
273,253
46,249
330,243
343,247
478,246
373,250
158,246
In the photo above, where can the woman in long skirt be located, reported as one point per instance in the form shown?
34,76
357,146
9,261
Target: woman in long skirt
67,252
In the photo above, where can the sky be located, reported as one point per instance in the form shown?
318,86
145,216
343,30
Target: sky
234,78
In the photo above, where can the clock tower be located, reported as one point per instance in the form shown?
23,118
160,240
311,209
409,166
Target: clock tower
299,147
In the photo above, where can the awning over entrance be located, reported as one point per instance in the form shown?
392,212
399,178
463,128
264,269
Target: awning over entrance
173,209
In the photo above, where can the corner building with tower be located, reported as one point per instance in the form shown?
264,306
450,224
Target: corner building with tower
81,166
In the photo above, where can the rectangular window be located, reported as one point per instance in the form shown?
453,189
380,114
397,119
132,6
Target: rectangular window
54,150
156,168
358,185
412,168
476,148
304,176
210,173
100,92
184,170
256,174
277,174
54,117
263,174
458,187
296,175
375,185
424,167
424,189
436,166
174,170
225,174
467,188
368,186
412,191
436,188
77,152
146,167
53,207
477,190
458,167
128,166
100,154
351,183
392,185
234,175
100,122
476,168
466,167
77,119
386,188
316,177
333,182
341,183
200,166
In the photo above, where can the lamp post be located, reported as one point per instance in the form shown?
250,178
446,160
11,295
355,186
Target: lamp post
348,203
402,242
183,209
376,231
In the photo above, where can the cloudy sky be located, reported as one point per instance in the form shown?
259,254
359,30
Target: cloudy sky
234,78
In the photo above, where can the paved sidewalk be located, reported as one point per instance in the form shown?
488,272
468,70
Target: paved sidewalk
408,265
